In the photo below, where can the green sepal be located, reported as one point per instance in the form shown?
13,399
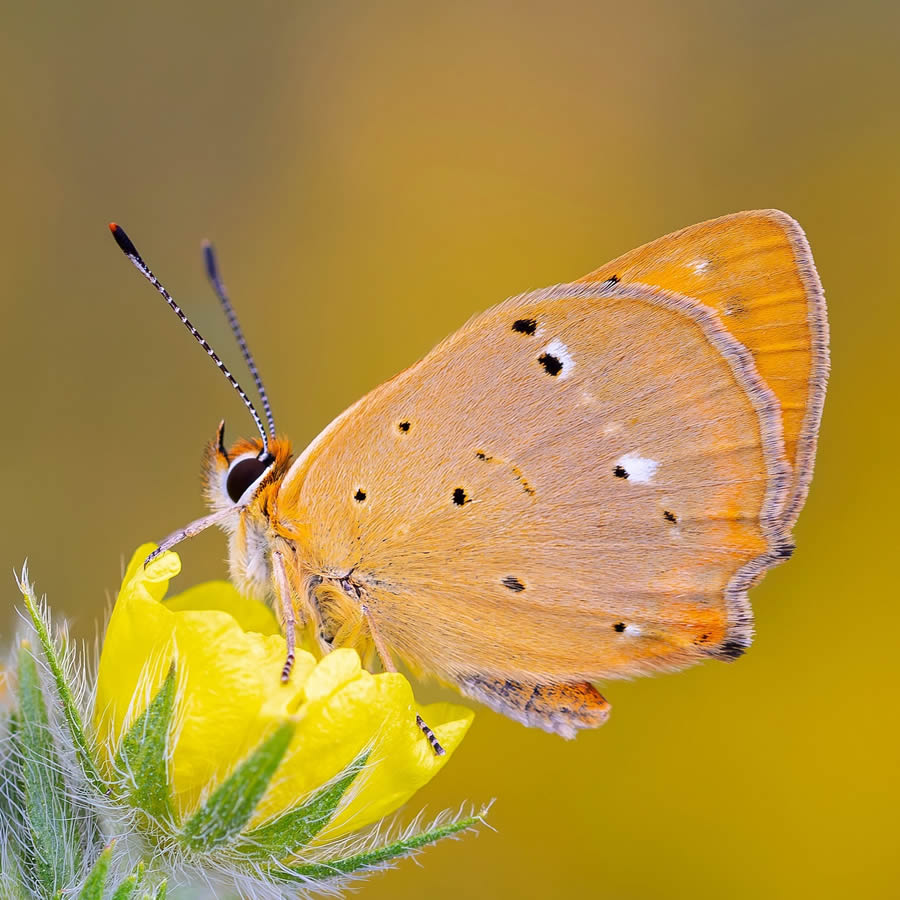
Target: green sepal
50,819
67,700
127,888
143,755
290,833
230,806
12,801
369,858
10,769
159,894
95,885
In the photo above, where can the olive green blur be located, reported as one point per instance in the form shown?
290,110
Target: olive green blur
372,175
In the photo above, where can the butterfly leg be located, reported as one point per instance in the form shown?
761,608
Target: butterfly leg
558,708
288,615
389,666
189,530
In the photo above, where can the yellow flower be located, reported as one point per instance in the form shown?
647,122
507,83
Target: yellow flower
227,654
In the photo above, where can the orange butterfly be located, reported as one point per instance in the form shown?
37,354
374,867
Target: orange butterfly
580,484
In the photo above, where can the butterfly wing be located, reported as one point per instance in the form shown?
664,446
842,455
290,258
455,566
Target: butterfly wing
756,270
581,483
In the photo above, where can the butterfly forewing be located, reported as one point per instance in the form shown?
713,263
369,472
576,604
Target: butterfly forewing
580,483
755,269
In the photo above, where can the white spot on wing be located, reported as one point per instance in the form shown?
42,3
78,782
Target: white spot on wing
700,266
639,468
633,630
558,349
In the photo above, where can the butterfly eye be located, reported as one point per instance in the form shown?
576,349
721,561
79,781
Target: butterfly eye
244,473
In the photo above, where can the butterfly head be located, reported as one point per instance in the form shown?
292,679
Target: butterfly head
241,485
244,475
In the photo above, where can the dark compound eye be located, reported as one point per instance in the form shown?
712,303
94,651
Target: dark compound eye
243,474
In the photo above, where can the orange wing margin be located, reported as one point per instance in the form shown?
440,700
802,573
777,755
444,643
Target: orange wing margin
756,270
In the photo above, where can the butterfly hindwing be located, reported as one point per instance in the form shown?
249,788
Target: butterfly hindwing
581,483
558,708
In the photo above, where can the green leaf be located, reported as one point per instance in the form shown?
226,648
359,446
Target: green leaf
370,858
95,884
66,697
50,820
291,832
126,890
144,753
229,808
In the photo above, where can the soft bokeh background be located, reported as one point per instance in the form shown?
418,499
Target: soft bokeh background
372,174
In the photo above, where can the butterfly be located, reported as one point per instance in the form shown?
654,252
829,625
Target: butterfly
580,484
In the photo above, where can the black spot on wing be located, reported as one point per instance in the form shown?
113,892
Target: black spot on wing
525,326
359,496
552,364
513,583
459,496
619,627
670,517
619,472
404,426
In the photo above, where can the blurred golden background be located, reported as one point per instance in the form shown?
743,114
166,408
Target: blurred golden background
372,174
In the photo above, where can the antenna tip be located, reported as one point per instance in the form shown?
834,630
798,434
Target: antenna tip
209,258
122,239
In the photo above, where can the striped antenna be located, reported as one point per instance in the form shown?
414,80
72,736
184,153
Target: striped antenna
215,279
128,248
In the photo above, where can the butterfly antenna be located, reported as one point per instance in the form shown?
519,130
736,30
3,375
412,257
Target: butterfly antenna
128,248
215,279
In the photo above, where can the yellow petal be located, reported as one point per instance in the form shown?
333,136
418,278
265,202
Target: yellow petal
335,725
138,635
332,672
402,760
251,615
232,698
156,576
